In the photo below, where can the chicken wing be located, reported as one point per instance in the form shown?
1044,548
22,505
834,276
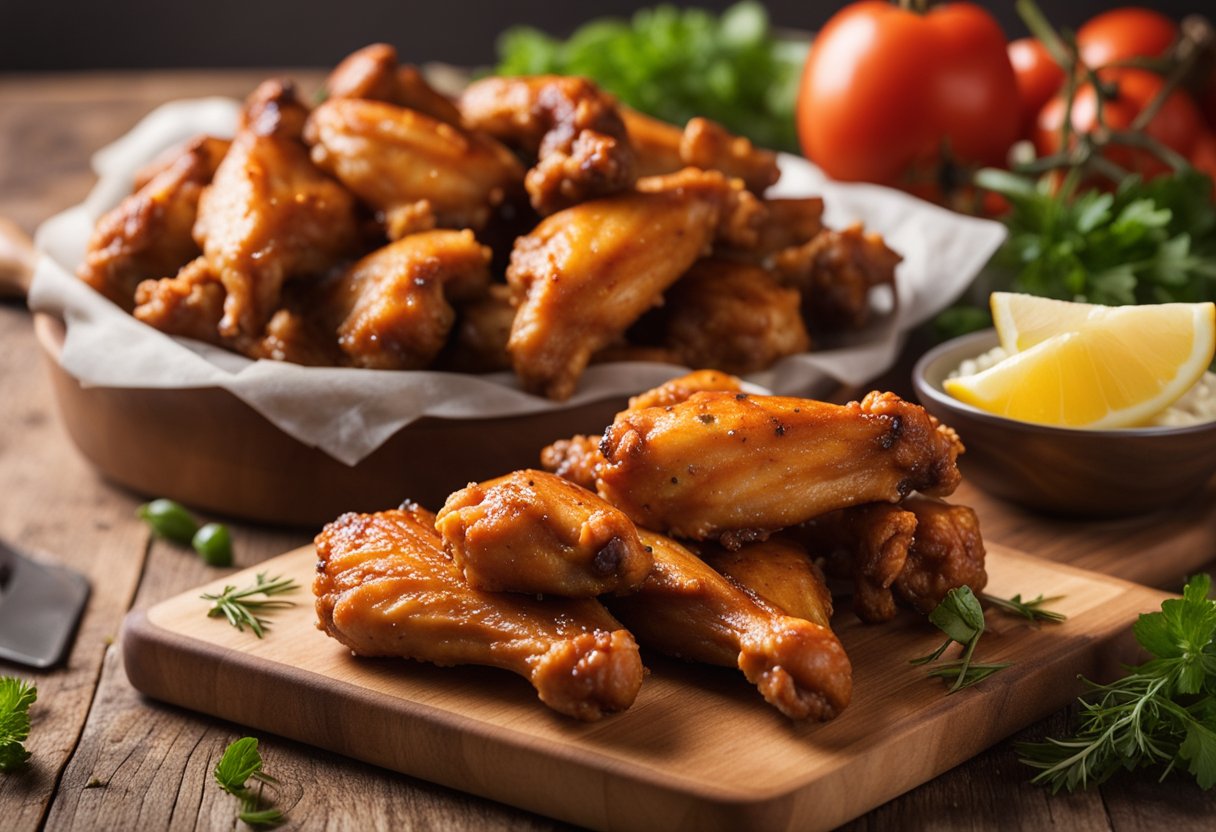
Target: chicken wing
149,234
585,274
417,171
665,148
778,570
269,215
479,339
209,149
572,129
733,316
190,304
946,553
372,73
531,531
686,609
681,389
385,587
736,467
394,304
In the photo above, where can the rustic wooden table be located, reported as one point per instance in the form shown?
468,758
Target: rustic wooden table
105,758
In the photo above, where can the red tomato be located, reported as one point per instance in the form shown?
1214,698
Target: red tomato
1177,124
1130,32
1038,76
883,88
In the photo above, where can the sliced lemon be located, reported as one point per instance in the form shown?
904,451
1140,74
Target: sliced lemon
1115,369
1022,321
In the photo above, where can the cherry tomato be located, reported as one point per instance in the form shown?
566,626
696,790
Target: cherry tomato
1129,32
1176,125
1038,76
884,88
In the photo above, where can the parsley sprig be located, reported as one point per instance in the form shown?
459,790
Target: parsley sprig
16,696
242,608
239,764
961,618
1162,714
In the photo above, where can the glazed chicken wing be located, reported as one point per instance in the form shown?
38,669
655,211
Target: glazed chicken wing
686,609
778,570
190,304
417,171
269,215
572,129
665,148
737,467
479,340
681,389
372,73
946,553
531,531
385,587
585,274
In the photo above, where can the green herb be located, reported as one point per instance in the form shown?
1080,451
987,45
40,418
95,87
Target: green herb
1030,610
213,544
1162,714
169,519
241,608
239,763
16,696
961,618
676,64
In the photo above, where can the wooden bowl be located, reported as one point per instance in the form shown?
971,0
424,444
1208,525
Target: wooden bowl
1089,473
209,450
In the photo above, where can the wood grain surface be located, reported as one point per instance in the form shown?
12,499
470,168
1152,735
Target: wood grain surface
106,758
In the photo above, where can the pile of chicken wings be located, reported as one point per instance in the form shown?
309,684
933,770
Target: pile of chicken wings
532,224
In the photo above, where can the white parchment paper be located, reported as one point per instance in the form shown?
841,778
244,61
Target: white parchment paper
348,413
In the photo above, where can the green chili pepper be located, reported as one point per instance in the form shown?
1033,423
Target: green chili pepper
213,544
169,520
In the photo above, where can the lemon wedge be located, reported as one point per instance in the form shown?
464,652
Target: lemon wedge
1089,366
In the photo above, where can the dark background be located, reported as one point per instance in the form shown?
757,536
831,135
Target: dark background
108,34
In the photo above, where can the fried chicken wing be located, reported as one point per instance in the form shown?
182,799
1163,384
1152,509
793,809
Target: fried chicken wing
269,215
571,128
531,531
395,304
681,389
417,171
190,304
372,73
479,338
385,587
665,148
736,467
149,234
686,609
207,149
946,553
778,570
791,222
585,274
733,316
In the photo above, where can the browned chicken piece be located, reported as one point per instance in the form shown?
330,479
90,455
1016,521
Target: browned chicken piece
778,570
687,610
386,587
791,222
531,531
733,316
869,543
947,552
664,148
150,233
568,125
584,275
737,467
372,73
300,337
417,171
209,149
189,304
681,388
835,272
395,304
269,215
479,340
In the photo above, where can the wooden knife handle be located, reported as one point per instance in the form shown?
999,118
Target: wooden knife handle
16,260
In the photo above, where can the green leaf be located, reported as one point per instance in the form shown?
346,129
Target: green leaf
239,762
16,697
959,615
1199,750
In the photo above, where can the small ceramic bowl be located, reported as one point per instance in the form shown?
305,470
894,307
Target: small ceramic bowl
1091,473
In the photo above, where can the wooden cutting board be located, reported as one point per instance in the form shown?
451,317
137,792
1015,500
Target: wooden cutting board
699,750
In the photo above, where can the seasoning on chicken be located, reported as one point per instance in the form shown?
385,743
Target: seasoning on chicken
665,148
946,553
385,587
372,73
531,531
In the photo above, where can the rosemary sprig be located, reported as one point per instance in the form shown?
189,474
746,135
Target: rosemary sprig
241,608
1030,610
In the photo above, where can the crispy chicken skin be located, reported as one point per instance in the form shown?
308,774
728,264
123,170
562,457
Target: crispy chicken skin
418,171
665,148
208,150
736,467
585,274
681,388
149,234
572,129
733,316
686,609
269,215
394,305
372,73
385,587
946,553
778,570
190,304
531,531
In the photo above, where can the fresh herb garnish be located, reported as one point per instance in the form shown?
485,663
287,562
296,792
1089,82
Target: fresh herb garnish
1163,713
16,696
676,64
961,618
241,608
1030,610
239,763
